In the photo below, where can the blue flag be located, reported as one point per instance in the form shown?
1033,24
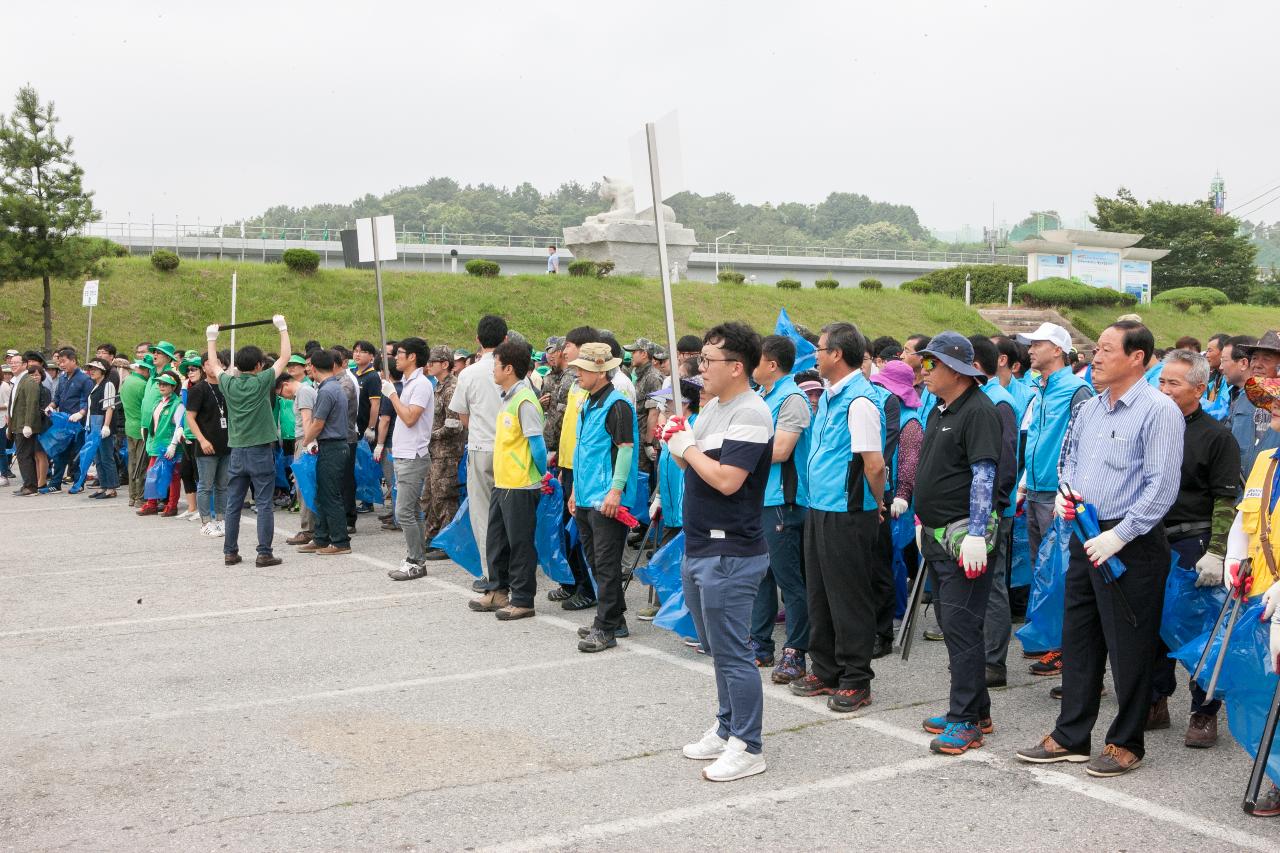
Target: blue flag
805,359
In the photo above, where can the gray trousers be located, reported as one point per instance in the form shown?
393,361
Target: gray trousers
479,494
997,626
410,475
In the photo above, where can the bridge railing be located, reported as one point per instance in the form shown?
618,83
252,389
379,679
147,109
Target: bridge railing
863,253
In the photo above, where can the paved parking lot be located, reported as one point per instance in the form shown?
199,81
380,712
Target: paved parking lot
154,699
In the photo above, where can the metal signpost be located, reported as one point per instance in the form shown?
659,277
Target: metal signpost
664,270
376,241
88,299
233,316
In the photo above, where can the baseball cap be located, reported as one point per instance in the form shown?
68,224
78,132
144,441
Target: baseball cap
640,344
440,352
658,353
1051,332
555,343
9,353
460,354
297,359
954,350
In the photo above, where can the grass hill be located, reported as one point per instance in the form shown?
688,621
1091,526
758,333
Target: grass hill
339,306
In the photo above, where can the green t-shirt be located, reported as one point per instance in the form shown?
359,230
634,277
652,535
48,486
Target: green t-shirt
131,392
250,417
284,418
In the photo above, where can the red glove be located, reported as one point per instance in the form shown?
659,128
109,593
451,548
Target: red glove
624,515
1241,583
674,425
546,484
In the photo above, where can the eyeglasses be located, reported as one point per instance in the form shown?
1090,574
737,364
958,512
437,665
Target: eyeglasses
704,361
928,363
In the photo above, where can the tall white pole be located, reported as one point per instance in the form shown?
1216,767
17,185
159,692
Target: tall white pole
88,334
233,318
377,279
651,135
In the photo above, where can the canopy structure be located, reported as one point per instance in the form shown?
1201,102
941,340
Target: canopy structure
1099,258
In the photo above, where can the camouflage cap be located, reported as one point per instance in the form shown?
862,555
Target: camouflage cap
516,338
658,353
555,343
641,344
440,352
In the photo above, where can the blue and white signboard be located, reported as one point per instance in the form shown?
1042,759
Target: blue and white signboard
1096,267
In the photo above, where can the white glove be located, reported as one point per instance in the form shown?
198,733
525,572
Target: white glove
679,441
388,388
655,505
211,332
1063,508
370,434
75,419
1104,546
377,453
168,452
1209,570
278,321
26,432
973,555
1270,599
898,507
313,448
105,432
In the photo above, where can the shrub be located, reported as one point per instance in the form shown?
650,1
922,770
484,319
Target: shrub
871,284
603,268
164,260
826,284
1072,294
302,261
788,284
730,277
1183,298
582,269
989,282
483,268
1264,294
918,285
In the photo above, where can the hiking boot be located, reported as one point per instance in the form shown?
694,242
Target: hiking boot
265,560
934,635
709,747
1049,664
646,614
559,594
148,509
1048,751
997,677
734,763
391,527
409,570
621,632
493,600
436,554
478,585
1114,761
303,538
1158,715
810,685
578,601
332,551
1202,731
511,613
309,548
790,668
957,738
764,660
1268,804
230,559
170,513
937,725
596,641
847,701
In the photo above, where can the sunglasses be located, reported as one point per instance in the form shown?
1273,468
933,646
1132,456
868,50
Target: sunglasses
928,363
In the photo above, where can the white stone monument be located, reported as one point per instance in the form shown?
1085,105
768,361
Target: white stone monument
627,237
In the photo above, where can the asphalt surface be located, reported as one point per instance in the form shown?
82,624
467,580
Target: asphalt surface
153,699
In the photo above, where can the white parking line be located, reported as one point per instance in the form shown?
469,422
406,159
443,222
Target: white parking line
94,570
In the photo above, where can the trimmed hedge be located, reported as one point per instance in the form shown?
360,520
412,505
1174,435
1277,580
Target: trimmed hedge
164,260
871,284
302,261
1071,294
582,269
826,284
788,284
1183,298
1264,294
603,268
730,277
989,282
917,285
481,267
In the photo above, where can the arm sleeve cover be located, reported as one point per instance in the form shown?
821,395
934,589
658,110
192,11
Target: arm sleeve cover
538,449
981,492
622,466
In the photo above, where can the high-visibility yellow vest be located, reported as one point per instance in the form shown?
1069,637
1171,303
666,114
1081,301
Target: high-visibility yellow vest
569,427
513,466
1251,509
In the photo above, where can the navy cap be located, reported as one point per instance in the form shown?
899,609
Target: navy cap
954,350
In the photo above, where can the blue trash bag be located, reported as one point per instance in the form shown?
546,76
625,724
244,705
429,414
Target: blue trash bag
663,574
575,541
58,437
156,487
1245,658
1251,686
368,475
123,451
282,475
1216,409
457,540
641,509
92,438
1189,611
903,531
1043,628
304,474
549,536
1020,557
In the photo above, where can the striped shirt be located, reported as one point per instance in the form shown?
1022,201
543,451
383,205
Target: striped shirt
1126,458
738,432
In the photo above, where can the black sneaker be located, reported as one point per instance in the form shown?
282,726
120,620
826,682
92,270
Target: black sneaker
881,648
932,635
620,632
596,641
578,601
996,677
479,585
846,701
560,594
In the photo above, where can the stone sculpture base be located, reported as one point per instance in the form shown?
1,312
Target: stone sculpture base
631,244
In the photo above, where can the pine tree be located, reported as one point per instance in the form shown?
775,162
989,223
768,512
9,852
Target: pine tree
43,205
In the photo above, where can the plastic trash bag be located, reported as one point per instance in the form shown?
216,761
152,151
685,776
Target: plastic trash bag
903,531
1020,556
88,453
304,474
58,437
1043,628
457,540
1251,686
549,536
368,475
641,509
159,475
663,574
1189,611
1246,659
282,474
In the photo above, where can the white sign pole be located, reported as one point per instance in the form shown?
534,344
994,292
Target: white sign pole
233,319
382,320
89,298
677,407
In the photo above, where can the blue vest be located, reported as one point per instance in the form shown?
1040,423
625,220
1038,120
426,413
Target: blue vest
1152,376
831,460
1217,398
998,394
928,401
593,456
671,486
1022,394
787,479
905,416
1049,428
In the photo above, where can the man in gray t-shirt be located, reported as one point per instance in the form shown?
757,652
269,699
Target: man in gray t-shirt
304,403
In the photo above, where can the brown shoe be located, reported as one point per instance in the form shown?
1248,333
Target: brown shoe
230,559
1158,716
511,612
490,601
265,560
330,551
1114,761
1048,751
1202,731
299,539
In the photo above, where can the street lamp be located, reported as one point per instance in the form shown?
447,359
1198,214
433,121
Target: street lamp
717,242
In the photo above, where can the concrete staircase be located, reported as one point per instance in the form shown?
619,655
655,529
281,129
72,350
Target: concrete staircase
1015,321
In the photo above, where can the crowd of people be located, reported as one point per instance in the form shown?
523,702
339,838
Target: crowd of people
806,476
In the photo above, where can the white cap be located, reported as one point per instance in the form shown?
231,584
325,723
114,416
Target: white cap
1051,332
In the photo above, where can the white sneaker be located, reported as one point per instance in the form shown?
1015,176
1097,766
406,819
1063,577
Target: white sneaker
206,529
194,515
711,746
219,529
4,482
734,763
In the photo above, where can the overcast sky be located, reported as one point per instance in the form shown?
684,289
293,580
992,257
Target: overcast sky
219,110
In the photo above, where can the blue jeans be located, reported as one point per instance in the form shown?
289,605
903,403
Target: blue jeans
70,459
784,531
212,477
251,467
108,472
719,592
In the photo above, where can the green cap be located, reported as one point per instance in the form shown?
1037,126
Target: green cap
169,378
296,359
166,348
351,365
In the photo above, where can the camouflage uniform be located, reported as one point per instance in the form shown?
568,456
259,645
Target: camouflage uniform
648,379
555,412
448,441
